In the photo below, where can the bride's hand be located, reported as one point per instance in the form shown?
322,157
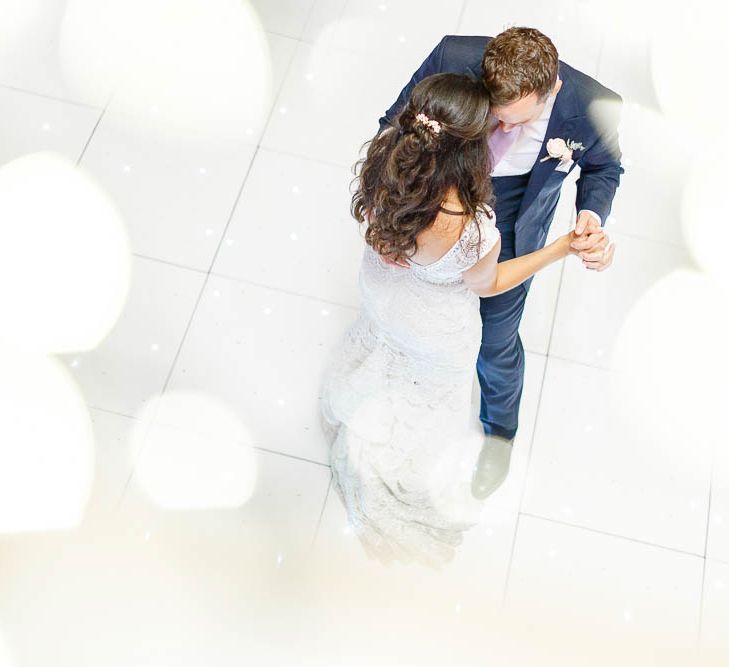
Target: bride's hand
568,239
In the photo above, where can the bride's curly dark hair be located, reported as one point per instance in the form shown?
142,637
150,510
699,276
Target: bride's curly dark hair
408,169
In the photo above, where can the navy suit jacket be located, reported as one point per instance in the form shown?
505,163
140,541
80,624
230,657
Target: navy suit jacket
597,132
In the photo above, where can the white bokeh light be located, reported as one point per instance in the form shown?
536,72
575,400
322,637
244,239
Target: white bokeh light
605,115
449,477
64,259
688,63
192,69
671,364
46,444
18,18
649,195
192,451
704,217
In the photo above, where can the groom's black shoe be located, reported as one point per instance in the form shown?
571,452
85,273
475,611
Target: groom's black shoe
492,466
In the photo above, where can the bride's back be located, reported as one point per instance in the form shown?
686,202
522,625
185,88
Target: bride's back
435,241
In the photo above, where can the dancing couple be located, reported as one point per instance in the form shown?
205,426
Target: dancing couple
456,194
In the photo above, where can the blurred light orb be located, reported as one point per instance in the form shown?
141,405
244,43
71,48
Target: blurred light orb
655,173
46,444
606,115
688,63
704,217
448,478
65,256
670,374
18,18
191,69
192,452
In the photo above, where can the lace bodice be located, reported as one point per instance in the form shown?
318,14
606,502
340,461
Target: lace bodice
465,252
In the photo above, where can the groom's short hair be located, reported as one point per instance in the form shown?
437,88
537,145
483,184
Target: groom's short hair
517,62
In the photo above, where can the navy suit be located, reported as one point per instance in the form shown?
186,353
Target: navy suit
525,207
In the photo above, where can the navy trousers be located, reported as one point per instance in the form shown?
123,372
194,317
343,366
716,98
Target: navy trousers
500,365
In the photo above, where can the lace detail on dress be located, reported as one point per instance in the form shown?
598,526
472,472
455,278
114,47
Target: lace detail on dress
396,405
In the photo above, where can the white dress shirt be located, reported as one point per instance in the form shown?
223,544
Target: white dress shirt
523,153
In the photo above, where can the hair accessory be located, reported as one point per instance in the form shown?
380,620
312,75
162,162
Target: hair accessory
434,125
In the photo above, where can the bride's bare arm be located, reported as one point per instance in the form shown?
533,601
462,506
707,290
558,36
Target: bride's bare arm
487,277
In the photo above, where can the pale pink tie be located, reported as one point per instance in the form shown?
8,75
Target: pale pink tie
500,142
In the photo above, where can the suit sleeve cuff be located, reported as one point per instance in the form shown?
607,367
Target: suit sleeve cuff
593,214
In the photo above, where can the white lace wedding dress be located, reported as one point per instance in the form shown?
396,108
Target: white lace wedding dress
396,404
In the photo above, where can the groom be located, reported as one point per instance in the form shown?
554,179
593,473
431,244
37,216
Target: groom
534,97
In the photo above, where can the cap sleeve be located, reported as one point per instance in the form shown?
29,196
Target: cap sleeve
489,232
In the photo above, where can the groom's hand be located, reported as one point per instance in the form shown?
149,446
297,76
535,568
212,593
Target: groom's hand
596,250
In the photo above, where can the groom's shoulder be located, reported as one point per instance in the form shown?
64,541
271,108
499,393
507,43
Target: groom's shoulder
585,86
463,51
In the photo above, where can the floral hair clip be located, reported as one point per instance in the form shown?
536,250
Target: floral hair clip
434,125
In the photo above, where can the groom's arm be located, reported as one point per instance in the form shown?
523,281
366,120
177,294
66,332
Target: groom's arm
431,65
600,167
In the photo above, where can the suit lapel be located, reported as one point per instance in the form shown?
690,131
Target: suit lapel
563,123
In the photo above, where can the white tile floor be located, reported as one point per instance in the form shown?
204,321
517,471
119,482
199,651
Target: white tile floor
244,275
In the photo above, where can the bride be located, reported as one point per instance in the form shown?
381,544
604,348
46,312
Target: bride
395,396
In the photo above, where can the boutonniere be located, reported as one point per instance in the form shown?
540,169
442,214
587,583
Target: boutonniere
561,149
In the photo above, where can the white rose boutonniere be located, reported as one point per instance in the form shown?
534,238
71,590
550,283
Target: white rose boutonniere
562,150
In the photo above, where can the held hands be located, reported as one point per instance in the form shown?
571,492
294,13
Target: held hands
589,242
